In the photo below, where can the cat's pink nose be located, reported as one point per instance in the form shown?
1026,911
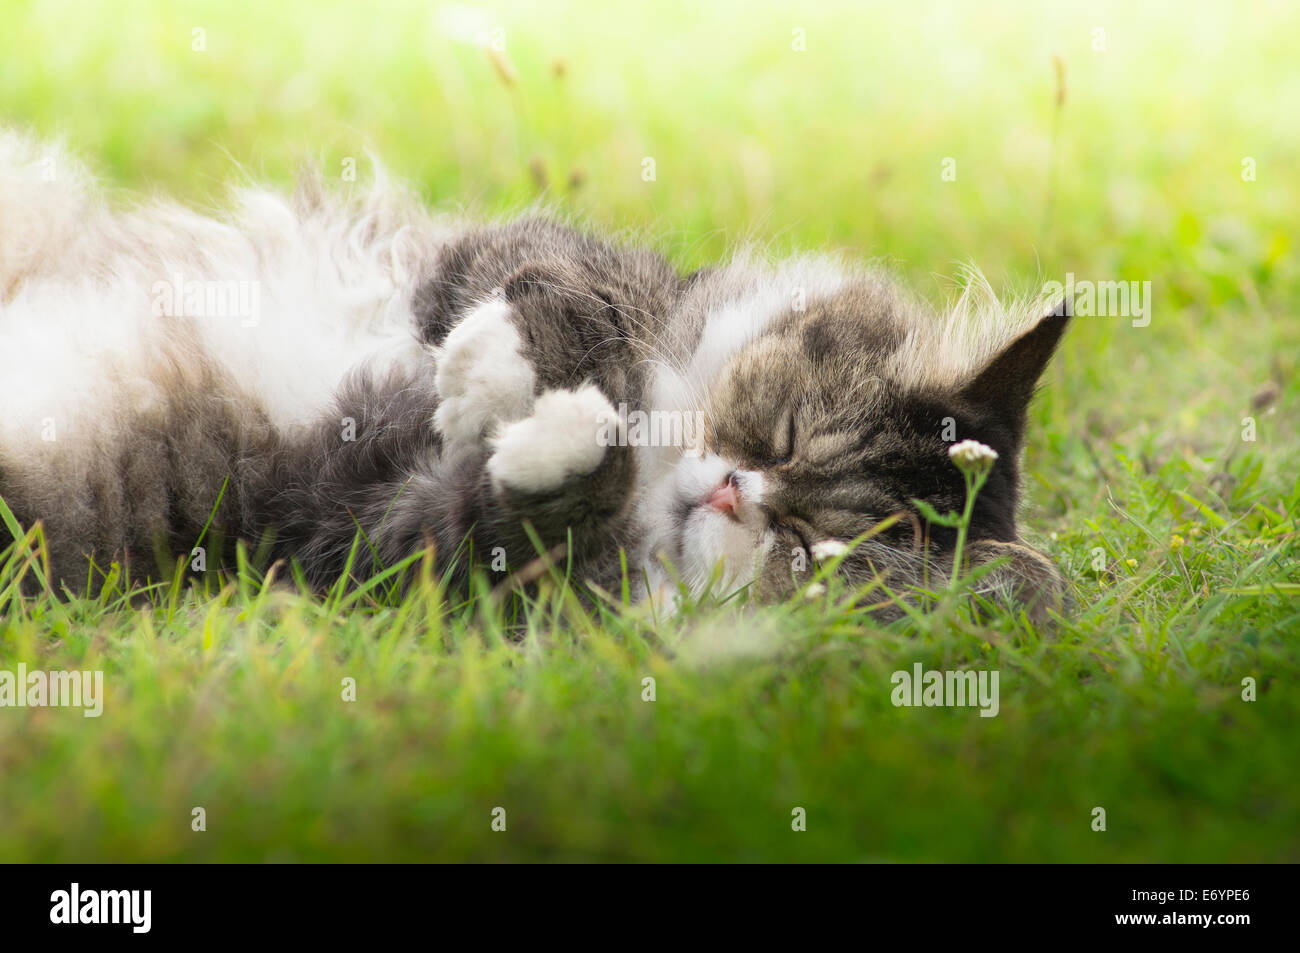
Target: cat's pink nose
725,498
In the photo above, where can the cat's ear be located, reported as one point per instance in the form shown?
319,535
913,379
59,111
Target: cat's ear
1007,382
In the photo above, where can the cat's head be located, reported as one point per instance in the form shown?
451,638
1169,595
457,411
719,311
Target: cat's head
836,414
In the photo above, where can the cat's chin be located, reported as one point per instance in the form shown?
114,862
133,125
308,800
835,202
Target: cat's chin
722,529
715,542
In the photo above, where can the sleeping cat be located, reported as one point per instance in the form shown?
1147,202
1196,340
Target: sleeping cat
315,371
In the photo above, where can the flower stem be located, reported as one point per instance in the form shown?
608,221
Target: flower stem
974,482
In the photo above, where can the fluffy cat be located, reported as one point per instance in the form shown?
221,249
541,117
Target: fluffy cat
328,364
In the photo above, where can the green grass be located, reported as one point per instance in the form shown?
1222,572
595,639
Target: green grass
1178,535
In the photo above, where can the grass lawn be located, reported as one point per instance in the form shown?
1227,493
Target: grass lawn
1162,462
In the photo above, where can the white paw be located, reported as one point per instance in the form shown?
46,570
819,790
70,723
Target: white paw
566,436
483,379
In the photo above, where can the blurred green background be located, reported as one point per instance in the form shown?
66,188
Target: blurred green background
838,146
1115,155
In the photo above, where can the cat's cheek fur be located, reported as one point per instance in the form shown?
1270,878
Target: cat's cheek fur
483,378
566,436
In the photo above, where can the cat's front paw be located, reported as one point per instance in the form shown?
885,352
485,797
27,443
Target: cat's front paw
483,377
566,436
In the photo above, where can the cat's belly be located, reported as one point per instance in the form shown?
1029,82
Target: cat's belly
273,319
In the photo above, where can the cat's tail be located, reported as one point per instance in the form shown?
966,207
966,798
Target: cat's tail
44,196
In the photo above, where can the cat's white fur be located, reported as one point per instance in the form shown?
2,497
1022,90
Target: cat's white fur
559,440
80,283
483,380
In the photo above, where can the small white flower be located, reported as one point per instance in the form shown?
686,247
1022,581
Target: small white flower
828,549
971,456
814,590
